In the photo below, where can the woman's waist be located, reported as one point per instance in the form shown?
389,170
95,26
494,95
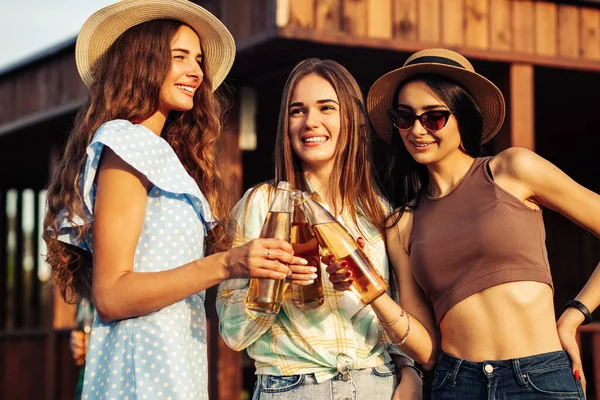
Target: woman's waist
506,321
305,357
540,361
321,369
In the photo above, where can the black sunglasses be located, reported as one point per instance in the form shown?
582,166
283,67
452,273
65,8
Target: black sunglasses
431,120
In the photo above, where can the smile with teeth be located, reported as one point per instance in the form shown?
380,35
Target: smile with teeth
422,145
315,139
186,88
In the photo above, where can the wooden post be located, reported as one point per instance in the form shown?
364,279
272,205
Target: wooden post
522,106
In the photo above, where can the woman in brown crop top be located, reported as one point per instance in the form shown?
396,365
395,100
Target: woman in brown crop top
470,241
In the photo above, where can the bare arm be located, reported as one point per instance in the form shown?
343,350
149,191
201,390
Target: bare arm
535,180
422,341
121,293
410,384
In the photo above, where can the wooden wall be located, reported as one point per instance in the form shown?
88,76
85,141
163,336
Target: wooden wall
40,87
519,30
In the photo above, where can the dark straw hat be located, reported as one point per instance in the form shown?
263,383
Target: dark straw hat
101,30
442,62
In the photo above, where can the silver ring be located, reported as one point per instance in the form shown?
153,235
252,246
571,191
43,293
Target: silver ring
269,254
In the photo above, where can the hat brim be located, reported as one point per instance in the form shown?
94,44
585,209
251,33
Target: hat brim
488,97
101,30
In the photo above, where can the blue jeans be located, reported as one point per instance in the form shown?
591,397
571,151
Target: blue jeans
543,376
363,384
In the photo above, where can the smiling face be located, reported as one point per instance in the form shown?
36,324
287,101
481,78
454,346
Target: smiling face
185,73
425,146
314,122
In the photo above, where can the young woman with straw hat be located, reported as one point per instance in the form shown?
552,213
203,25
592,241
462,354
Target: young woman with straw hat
336,350
139,174
469,238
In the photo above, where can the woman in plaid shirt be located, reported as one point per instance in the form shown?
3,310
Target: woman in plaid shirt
338,350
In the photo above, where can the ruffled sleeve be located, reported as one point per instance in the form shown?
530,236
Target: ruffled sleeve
147,153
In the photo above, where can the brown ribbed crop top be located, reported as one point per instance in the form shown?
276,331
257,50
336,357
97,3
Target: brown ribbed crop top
475,237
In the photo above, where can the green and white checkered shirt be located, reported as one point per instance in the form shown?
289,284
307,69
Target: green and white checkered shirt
342,333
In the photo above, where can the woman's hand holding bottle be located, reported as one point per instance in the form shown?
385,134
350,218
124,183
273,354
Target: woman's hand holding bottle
339,276
262,258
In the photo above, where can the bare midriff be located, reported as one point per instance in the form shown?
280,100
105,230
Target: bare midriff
510,320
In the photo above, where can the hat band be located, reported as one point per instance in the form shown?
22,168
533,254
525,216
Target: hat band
435,60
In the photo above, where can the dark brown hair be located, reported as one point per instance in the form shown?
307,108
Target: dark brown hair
128,84
407,179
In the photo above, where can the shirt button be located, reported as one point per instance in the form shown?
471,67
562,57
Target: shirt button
488,368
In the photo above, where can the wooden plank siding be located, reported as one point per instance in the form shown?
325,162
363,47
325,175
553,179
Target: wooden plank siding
404,20
429,21
55,82
476,24
328,16
302,13
501,26
379,23
590,33
546,29
353,17
568,31
530,31
523,18
453,22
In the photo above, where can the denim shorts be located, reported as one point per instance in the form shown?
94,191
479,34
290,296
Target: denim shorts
362,384
543,376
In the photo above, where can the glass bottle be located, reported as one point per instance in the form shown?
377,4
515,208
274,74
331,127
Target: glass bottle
367,282
85,318
306,246
265,295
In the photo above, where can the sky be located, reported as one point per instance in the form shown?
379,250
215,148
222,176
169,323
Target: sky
28,27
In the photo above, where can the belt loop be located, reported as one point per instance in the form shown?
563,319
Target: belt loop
521,376
455,372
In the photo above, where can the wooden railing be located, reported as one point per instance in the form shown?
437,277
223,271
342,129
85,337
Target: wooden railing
24,297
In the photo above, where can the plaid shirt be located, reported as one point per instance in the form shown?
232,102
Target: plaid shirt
342,333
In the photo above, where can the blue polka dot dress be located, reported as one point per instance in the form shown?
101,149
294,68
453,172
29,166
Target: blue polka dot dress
161,355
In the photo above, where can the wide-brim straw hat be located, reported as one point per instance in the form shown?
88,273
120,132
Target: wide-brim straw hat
442,62
101,30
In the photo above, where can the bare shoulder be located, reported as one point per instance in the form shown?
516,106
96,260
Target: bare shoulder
399,224
519,163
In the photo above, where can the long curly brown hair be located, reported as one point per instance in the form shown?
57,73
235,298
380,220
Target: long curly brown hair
127,87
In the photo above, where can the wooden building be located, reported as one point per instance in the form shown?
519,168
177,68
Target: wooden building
544,56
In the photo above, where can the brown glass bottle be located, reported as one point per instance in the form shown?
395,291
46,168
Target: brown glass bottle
367,282
306,246
265,295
